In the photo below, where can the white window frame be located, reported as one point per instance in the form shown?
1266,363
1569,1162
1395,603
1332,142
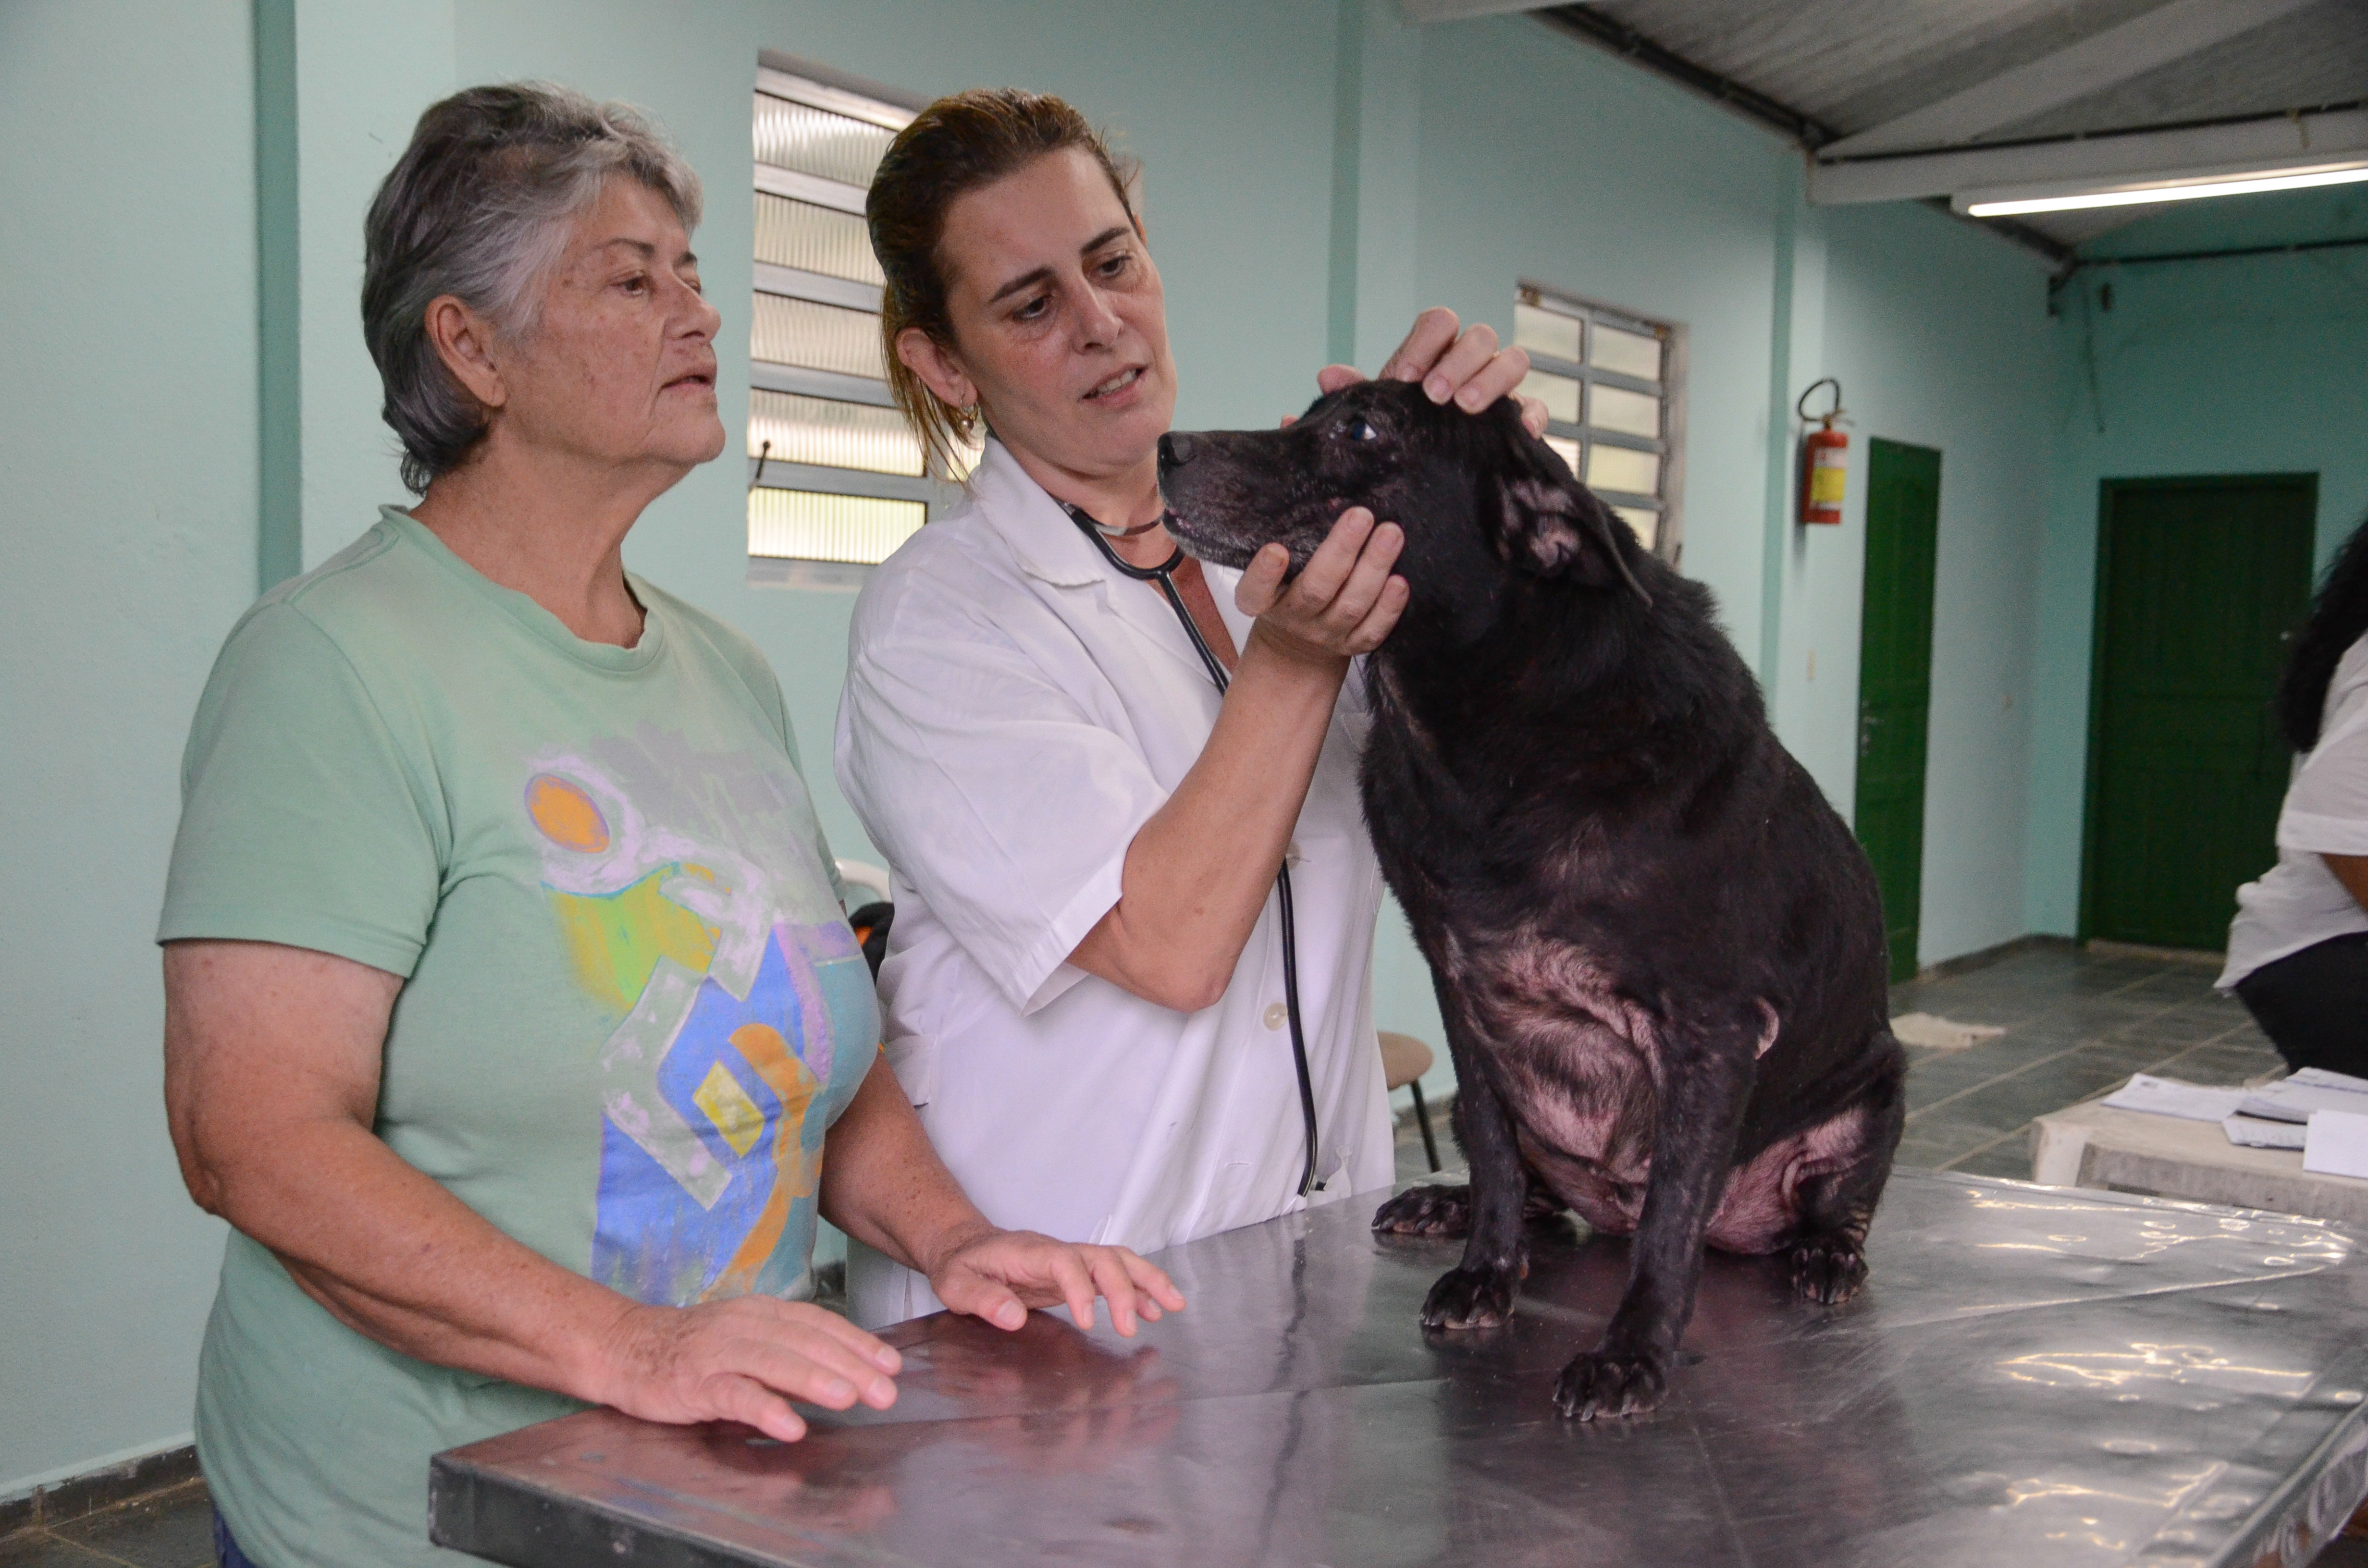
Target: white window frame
804,81
1669,535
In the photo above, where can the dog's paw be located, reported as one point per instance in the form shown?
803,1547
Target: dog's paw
1603,1383
1471,1298
1426,1211
1828,1270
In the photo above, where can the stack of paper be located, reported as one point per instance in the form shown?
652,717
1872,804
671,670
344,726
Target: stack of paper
2169,1096
2313,1088
2323,1114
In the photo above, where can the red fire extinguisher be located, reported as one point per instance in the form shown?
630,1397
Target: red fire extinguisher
1824,465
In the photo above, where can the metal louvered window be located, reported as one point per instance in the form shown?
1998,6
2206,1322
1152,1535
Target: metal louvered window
836,481
1611,383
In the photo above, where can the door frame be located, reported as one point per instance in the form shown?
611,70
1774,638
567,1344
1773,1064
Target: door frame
1911,964
2107,490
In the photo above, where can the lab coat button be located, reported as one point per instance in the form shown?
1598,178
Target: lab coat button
1277,1014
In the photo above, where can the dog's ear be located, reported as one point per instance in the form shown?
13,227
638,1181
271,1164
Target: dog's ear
1555,527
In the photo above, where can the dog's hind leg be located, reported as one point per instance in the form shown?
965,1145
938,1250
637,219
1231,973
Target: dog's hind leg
1438,1210
1827,1252
1479,1293
1706,1083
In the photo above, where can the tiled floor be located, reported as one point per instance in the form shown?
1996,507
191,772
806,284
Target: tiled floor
2077,1024
164,1529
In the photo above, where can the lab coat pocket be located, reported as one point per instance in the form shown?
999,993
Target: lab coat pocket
914,1059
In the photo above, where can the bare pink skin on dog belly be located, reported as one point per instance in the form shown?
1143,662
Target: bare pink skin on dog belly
1757,1213
1580,1068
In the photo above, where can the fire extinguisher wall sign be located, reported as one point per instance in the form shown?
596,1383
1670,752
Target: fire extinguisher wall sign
1824,460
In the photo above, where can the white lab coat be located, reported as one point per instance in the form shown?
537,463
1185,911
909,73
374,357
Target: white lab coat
1015,710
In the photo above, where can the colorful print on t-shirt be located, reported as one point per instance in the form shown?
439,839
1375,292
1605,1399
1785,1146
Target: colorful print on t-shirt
717,1081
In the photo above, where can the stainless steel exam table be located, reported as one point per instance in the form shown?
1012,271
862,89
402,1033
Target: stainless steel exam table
2035,1376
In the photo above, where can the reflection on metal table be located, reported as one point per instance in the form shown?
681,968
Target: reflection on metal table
2034,1376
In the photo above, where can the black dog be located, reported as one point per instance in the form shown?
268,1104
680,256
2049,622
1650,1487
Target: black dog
1658,951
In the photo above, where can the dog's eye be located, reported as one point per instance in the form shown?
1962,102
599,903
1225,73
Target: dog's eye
1362,430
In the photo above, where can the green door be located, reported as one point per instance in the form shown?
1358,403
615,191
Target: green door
1895,680
2198,582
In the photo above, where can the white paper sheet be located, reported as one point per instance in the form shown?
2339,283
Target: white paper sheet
2338,1143
2313,1088
2254,1133
2169,1096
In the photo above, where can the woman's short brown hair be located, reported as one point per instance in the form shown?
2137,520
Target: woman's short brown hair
951,148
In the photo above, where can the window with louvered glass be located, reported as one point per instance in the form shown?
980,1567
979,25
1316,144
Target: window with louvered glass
1610,383
834,476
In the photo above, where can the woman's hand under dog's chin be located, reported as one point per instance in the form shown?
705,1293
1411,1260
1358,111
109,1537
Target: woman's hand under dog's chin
1342,603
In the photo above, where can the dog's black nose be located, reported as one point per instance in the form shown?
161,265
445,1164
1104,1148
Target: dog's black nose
1175,448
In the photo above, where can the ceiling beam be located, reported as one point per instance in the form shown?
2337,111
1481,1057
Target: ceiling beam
2119,160
1418,12
1621,42
2118,54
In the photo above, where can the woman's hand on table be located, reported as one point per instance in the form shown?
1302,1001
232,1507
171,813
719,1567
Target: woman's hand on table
1343,601
1451,361
741,1360
998,1274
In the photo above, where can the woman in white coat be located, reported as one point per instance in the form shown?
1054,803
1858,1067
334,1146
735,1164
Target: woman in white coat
1085,983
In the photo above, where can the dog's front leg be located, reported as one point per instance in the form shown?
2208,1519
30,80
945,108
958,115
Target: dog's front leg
1705,1085
1479,1293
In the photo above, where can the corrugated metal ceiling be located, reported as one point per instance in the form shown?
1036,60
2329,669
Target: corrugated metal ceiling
1852,66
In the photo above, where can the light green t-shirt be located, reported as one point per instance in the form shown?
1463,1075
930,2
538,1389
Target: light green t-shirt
632,1005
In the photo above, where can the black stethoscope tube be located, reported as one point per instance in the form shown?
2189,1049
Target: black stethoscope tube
1165,576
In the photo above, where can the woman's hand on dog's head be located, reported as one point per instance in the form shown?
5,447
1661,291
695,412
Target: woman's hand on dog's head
1343,601
1452,363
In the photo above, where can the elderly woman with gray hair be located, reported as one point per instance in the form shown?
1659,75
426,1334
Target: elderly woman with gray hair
511,1019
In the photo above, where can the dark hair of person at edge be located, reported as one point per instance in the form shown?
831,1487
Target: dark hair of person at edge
2338,618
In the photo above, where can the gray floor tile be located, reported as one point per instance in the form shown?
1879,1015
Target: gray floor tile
2181,1025
2015,1102
2067,1081
172,1530
1941,1081
2222,1065
1917,1153
1940,1138
39,1549
2128,1055
2182,981
2012,1158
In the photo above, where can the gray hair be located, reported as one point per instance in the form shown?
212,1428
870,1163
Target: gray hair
477,208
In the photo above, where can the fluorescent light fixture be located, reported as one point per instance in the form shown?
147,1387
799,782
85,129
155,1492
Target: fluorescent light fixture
2061,196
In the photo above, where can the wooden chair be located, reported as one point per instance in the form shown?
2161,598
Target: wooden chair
1403,1062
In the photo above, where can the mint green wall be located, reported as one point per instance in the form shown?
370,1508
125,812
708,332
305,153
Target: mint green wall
127,497
1544,158
1316,172
362,75
1938,333
2239,366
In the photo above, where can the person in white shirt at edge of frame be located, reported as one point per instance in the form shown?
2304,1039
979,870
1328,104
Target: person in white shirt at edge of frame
1084,983
2298,947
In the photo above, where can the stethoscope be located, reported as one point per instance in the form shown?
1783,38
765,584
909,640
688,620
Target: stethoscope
1165,576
